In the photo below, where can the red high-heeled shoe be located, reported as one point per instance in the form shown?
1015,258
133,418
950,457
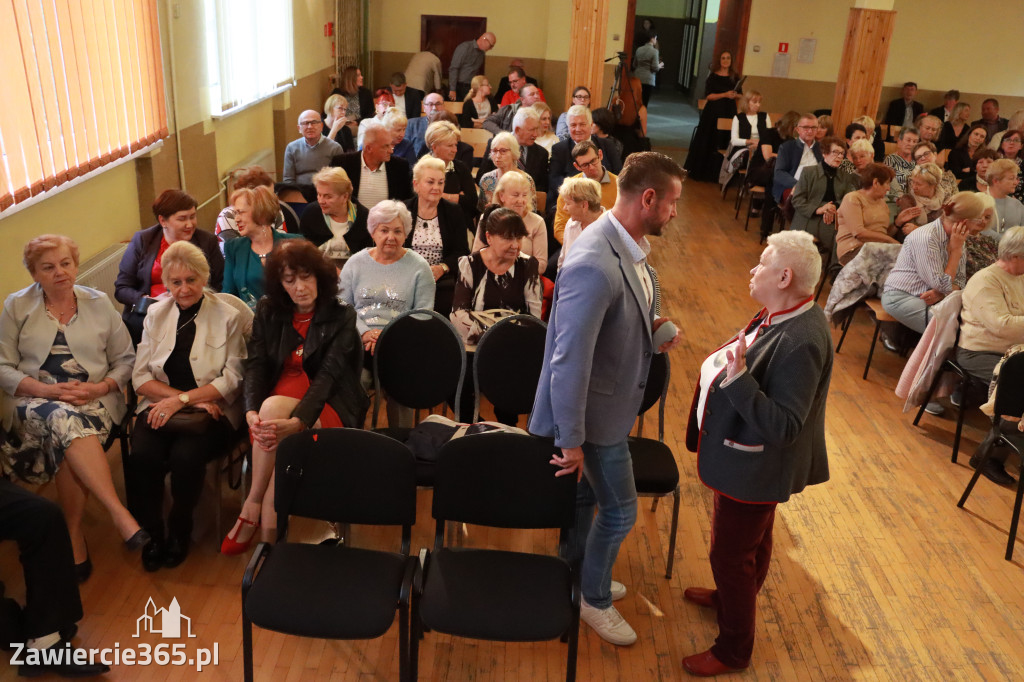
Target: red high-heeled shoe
231,546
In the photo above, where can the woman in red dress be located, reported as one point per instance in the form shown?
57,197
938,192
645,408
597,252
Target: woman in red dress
302,372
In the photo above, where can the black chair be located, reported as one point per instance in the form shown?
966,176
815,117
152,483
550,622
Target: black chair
335,591
500,480
654,465
420,361
1009,401
970,387
507,364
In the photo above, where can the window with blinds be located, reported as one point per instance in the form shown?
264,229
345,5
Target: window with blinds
249,52
82,87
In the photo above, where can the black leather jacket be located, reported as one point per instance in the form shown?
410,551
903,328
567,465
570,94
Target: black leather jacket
332,359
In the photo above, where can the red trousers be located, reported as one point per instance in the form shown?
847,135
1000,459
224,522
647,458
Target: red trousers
741,549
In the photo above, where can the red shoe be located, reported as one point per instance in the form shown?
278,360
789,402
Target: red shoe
706,665
231,546
701,596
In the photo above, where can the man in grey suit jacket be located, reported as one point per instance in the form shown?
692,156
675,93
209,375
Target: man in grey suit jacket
599,344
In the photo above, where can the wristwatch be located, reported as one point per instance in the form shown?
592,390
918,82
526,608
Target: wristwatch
183,397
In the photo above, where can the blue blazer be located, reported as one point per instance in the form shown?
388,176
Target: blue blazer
786,165
599,344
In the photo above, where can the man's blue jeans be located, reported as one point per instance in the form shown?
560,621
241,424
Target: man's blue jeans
608,484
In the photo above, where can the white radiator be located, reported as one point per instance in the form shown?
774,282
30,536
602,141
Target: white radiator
100,271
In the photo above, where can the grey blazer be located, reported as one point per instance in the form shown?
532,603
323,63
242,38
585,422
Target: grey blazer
807,196
97,338
762,437
599,344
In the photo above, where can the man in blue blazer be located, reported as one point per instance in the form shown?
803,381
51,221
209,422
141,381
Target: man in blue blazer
794,155
599,343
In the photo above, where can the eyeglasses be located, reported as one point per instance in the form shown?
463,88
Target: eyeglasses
433,105
836,152
923,155
1012,140
807,127
593,163
310,123
980,222
581,95
497,150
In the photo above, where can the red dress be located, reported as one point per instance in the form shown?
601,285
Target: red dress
293,381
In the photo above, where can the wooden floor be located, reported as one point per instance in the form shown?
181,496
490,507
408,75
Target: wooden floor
876,574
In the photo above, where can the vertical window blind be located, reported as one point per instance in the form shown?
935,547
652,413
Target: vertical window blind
83,87
249,52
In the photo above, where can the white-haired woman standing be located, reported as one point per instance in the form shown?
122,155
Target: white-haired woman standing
758,428
65,358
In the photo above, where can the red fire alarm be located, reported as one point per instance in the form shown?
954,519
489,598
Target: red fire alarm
783,47
329,29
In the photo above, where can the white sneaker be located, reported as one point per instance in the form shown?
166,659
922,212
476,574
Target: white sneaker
608,624
618,590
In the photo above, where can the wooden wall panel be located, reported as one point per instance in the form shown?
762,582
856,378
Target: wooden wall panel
862,69
586,46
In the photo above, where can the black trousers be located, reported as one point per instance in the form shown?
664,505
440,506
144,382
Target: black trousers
52,602
154,454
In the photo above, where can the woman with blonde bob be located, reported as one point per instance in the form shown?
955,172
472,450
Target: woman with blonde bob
335,223
65,359
439,229
581,197
515,191
254,211
442,138
190,362
505,155
336,120
547,137
925,195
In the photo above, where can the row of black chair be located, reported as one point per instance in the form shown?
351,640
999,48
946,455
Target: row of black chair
420,361
349,476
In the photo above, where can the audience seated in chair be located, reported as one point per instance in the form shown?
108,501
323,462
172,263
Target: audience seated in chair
818,194
65,359
188,375
586,158
918,280
503,118
515,191
311,152
335,223
375,174
302,372
532,157
579,198
902,160
250,178
795,155
863,215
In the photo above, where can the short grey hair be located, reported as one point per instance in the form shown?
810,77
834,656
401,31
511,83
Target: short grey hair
1000,168
386,211
509,139
580,110
907,131
795,249
1012,243
373,128
523,115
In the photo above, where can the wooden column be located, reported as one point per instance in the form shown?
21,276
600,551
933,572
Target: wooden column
865,53
586,48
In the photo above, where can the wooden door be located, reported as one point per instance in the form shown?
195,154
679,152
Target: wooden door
446,32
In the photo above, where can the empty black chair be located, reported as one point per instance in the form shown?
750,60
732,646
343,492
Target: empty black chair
1009,401
420,361
505,481
507,364
972,393
654,465
334,591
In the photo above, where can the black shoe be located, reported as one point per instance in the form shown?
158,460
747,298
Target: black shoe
83,570
175,552
889,345
153,555
66,667
137,541
995,472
